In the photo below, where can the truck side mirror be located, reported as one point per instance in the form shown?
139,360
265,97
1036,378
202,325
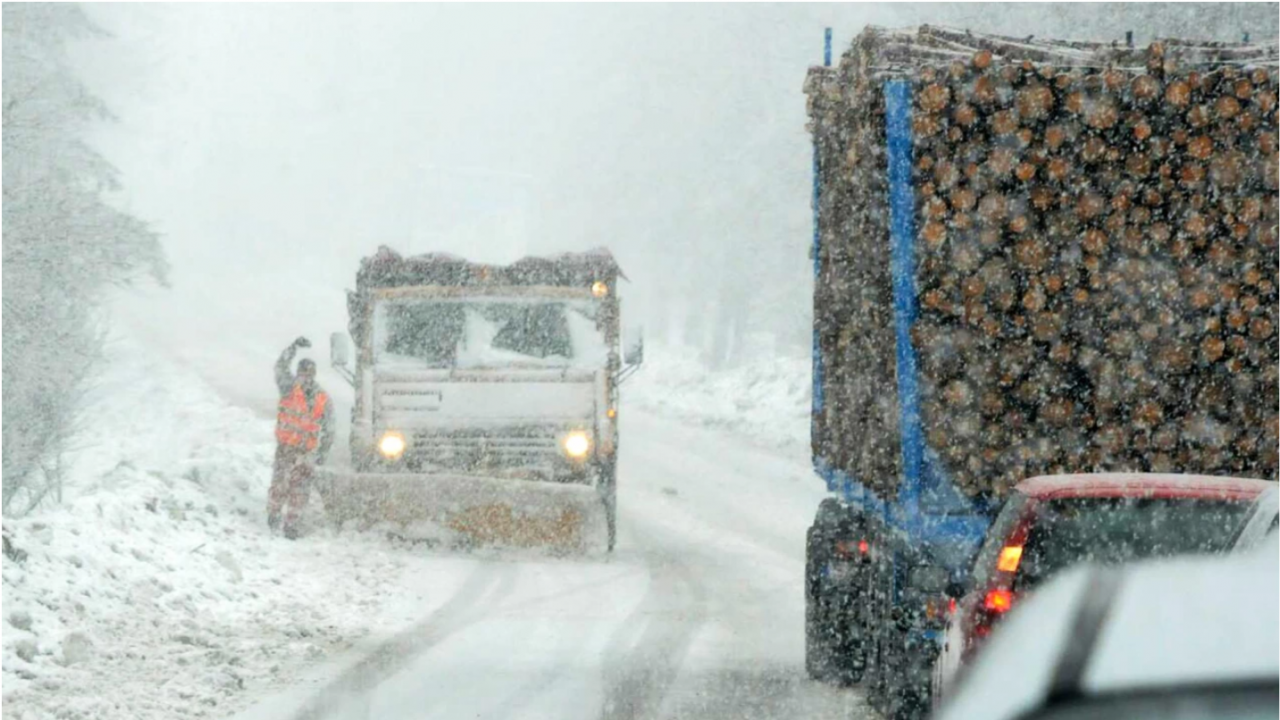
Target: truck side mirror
634,353
339,350
340,357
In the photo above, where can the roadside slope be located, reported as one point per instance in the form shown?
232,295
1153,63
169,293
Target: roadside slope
765,399
153,589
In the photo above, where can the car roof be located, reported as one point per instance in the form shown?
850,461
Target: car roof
1171,622
1160,485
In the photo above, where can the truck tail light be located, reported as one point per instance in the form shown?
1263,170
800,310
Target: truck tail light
852,549
998,600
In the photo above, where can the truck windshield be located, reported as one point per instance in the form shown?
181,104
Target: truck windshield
488,333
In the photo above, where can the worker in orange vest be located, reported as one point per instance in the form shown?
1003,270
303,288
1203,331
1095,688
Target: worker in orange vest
304,434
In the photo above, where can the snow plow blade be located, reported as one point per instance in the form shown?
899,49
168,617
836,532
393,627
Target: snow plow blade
466,510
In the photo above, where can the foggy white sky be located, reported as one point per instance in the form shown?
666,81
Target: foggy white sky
275,145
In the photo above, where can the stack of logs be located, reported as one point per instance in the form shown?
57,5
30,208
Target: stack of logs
1096,264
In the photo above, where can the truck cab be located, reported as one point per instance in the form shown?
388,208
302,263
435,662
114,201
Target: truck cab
476,381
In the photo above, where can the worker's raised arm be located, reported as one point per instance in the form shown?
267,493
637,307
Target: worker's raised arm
284,373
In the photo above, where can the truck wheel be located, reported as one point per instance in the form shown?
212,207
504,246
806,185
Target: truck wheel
845,657
855,658
908,703
817,650
611,518
332,512
609,496
849,667
879,689
817,644
335,521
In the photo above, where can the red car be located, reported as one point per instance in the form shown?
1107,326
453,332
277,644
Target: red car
1050,523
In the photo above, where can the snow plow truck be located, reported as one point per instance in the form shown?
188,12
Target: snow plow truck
486,400
1030,257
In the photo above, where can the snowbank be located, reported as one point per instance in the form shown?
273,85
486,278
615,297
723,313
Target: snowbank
153,590
766,399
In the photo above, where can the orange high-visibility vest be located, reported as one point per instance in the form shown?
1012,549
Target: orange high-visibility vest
297,424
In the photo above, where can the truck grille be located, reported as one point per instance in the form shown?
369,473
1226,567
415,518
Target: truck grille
532,452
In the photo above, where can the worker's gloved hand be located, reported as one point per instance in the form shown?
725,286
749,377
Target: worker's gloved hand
302,343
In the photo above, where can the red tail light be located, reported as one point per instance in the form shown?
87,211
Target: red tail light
998,600
850,549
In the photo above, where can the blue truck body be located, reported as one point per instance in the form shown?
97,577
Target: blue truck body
927,521
928,510
949,363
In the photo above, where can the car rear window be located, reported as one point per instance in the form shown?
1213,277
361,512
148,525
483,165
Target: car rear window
1067,531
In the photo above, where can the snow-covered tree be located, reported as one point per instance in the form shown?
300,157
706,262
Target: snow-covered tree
63,244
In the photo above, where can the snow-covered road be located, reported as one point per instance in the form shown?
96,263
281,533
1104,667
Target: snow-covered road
699,613
193,610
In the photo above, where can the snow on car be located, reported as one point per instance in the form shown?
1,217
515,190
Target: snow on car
1152,640
1264,519
1051,523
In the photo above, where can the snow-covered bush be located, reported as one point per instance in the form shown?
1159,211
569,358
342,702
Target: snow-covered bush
63,244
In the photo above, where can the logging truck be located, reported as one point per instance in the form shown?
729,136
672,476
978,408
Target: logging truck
486,399
1030,257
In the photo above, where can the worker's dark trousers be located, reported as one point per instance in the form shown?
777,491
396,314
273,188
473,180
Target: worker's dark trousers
290,485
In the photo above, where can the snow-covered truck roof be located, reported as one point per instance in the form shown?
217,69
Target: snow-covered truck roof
892,52
388,268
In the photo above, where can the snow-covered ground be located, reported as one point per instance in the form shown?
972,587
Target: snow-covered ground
154,590
766,399
699,614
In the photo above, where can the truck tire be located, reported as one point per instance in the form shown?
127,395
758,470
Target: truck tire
904,672
907,705
611,519
907,700
831,653
817,647
609,496
817,654
838,659
849,667
333,512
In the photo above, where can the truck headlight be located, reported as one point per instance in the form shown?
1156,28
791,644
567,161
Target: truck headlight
576,444
391,445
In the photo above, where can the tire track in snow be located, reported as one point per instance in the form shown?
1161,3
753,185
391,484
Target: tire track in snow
638,678
565,646
723,515
728,566
467,605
